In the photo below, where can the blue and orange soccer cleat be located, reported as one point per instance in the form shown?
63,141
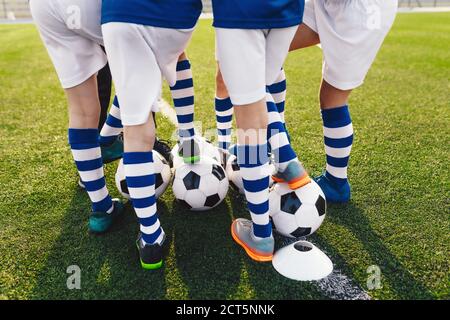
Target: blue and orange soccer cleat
294,175
333,192
258,249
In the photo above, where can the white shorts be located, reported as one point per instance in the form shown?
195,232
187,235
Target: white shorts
351,33
250,59
139,56
71,31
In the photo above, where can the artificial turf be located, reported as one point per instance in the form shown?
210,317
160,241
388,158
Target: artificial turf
398,218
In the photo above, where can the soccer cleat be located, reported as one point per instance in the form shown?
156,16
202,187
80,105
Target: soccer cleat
113,151
258,249
294,175
100,222
150,255
163,148
189,150
333,192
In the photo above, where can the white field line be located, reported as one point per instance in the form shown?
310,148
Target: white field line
337,285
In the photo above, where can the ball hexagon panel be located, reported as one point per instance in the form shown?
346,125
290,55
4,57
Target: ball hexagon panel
158,180
212,201
290,203
191,181
321,206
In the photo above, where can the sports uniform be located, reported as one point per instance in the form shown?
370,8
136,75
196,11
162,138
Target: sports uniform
351,34
71,32
157,40
253,39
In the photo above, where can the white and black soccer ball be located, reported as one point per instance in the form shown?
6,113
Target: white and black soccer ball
298,213
234,174
200,186
163,175
207,149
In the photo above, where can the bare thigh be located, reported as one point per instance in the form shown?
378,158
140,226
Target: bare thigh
304,37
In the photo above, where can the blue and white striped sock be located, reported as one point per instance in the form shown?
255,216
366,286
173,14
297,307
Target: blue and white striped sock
254,167
338,138
140,176
224,118
113,125
88,158
278,92
183,99
277,136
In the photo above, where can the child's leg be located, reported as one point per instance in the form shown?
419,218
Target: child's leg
77,59
139,172
84,110
255,237
245,80
289,168
224,113
113,125
338,140
130,69
278,92
183,99
111,146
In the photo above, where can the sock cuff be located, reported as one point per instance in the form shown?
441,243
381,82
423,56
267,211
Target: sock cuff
250,156
337,117
83,136
137,157
223,104
183,65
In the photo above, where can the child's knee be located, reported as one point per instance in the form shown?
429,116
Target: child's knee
138,138
221,88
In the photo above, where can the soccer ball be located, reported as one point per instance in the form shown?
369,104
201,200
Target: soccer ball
200,186
207,149
234,174
163,175
297,213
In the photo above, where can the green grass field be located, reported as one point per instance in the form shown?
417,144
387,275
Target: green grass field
398,218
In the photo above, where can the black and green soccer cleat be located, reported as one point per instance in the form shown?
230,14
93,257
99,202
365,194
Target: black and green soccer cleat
164,149
189,150
113,151
100,222
150,255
